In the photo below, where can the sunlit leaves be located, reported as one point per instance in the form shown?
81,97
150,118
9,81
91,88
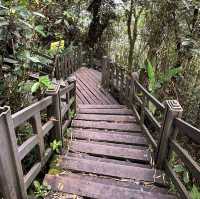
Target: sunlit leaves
42,84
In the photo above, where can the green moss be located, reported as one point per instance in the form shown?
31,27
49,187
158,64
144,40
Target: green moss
55,171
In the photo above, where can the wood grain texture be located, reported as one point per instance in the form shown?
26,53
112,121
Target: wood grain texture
126,138
132,127
113,151
97,189
111,169
108,118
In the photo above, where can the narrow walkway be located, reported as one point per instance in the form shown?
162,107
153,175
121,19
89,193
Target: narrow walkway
89,89
108,156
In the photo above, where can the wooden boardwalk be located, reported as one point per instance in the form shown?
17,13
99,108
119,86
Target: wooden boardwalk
108,156
89,90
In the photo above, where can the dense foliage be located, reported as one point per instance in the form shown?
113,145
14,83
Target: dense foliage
161,39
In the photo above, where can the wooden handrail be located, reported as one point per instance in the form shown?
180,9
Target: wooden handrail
186,158
11,160
65,64
171,124
151,98
188,130
26,113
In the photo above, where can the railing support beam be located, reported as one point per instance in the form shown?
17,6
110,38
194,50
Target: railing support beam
11,174
72,80
132,94
55,111
172,110
105,73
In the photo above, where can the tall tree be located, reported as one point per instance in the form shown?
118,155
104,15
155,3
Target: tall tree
102,12
133,16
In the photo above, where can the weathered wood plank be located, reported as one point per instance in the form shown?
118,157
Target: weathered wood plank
106,111
186,158
26,113
11,174
27,146
97,106
188,130
64,110
150,97
109,160
66,125
90,76
85,94
83,79
96,189
81,96
37,129
97,84
66,89
88,90
111,169
109,118
176,181
93,88
47,127
151,139
114,151
109,137
31,175
132,127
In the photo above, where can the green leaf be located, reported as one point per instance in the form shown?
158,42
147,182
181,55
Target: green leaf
179,168
45,81
35,87
195,194
40,29
186,177
36,185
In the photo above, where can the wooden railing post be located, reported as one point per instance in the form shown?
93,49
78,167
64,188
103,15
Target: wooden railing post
105,73
135,77
72,80
55,112
172,110
11,174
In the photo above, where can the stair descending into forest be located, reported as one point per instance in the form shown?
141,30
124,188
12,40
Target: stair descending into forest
108,155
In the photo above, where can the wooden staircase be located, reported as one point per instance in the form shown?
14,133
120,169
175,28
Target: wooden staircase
108,158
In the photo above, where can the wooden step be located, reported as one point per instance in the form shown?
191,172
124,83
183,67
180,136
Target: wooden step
118,151
100,106
132,127
105,168
108,118
126,138
81,186
94,158
106,111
